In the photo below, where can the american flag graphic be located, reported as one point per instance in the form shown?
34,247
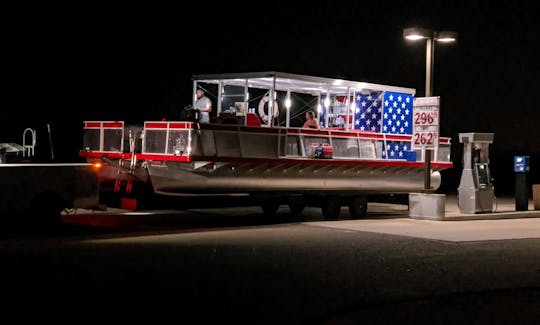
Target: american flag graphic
384,112
397,113
396,149
369,109
387,113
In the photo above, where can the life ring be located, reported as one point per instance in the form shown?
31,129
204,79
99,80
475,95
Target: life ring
262,105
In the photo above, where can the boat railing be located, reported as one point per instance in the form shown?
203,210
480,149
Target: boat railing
103,136
184,139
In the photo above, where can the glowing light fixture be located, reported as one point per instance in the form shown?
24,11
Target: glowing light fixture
446,37
327,101
288,103
288,100
415,34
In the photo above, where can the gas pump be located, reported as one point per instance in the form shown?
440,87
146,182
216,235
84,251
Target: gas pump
475,192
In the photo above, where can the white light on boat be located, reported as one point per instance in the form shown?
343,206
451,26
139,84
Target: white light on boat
327,102
319,108
288,100
288,103
247,96
353,106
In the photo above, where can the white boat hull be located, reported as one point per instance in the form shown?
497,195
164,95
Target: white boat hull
177,178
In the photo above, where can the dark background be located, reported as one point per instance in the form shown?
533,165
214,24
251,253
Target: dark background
63,64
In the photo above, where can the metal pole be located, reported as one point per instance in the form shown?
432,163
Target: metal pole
348,102
353,122
430,47
319,110
220,97
271,102
326,111
288,107
246,101
430,44
194,97
50,141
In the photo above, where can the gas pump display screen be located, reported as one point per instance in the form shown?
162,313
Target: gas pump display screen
482,174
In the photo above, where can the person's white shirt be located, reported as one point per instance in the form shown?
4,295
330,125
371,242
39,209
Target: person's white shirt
204,105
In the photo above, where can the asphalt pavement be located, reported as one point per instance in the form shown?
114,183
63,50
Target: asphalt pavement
231,265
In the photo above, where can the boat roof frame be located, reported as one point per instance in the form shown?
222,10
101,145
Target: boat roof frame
280,81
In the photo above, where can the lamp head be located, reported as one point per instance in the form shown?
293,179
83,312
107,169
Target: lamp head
446,36
416,33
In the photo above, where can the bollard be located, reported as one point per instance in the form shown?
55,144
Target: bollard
536,196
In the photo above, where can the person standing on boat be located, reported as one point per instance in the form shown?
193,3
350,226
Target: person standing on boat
204,105
311,121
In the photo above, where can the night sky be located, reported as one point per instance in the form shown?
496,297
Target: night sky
64,64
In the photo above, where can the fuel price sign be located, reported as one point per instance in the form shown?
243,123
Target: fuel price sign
426,122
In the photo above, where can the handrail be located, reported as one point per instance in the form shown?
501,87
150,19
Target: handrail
29,147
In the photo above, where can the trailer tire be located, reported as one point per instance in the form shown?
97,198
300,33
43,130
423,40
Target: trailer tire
331,208
358,207
270,208
296,205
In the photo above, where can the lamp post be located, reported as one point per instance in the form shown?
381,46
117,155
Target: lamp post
415,34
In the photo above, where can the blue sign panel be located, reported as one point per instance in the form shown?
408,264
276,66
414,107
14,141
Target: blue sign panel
521,164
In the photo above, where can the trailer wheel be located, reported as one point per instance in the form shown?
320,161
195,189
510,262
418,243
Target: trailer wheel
358,207
270,208
296,205
331,208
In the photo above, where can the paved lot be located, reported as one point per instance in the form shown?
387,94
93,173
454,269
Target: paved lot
456,231
230,265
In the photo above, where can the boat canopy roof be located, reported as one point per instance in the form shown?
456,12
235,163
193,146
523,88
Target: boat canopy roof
297,83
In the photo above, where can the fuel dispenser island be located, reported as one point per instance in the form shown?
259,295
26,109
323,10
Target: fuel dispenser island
475,192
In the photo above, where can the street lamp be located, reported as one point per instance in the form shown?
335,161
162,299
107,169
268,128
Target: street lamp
415,34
